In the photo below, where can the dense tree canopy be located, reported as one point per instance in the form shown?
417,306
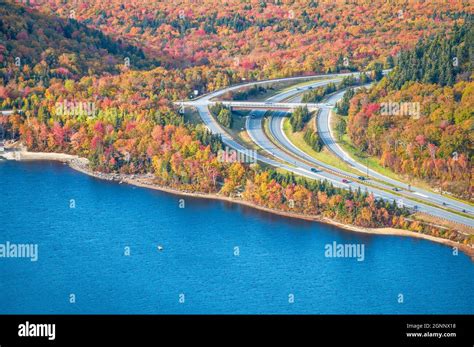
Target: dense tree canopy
435,143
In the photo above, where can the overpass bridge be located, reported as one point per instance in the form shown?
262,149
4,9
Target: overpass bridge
255,105
277,106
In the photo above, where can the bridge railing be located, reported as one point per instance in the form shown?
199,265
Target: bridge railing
269,105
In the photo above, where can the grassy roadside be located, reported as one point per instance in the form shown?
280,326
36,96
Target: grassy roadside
324,156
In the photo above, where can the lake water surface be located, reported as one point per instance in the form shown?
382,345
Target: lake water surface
82,252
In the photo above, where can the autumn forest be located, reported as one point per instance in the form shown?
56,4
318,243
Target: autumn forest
98,79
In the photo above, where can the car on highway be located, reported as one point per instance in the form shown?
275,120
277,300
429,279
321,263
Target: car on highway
396,189
362,178
345,181
314,169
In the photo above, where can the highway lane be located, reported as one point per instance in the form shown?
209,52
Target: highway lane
256,133
215,128
204,99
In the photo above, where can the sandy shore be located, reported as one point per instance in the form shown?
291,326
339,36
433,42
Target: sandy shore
145,181
24,155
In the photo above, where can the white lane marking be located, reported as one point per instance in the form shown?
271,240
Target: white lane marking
247,122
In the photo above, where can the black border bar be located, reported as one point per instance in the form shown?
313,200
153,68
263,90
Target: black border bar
229,329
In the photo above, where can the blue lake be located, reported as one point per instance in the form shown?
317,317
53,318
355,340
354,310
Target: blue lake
82,252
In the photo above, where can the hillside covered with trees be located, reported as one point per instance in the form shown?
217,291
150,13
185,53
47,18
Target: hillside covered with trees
427,131
264,39
47,46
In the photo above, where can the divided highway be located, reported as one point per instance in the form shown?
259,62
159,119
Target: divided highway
325,132
294,160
